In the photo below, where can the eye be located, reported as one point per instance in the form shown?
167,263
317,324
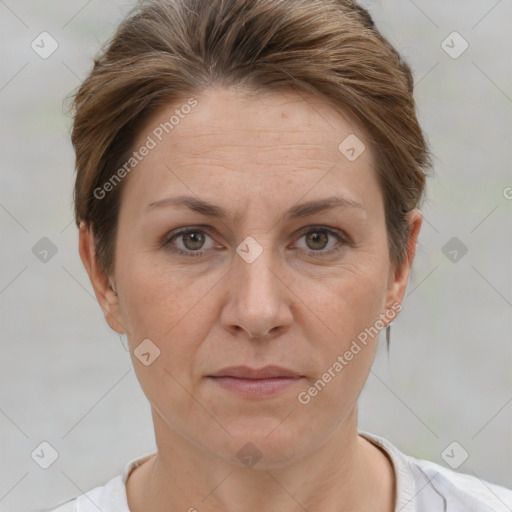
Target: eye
317,239
192,240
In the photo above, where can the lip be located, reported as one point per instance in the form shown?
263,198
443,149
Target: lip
256,383
246,372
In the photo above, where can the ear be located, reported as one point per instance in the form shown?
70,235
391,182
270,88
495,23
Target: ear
107,298
399,276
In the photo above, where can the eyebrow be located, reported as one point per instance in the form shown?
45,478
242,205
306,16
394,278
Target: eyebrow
295,212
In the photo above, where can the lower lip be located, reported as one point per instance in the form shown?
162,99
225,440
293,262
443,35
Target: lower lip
254,388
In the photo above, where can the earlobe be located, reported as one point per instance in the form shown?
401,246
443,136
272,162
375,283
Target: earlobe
105,294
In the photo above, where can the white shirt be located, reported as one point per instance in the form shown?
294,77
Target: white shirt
421,486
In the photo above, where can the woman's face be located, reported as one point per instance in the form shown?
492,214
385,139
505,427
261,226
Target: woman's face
270,282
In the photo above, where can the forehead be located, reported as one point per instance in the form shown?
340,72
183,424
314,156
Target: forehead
230,141
270,117
233,118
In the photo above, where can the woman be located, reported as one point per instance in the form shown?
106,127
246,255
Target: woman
249,177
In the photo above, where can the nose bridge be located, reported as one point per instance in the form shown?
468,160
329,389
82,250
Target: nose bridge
255,259
256,293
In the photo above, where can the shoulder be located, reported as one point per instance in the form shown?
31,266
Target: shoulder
424,486
457,490
68,506
110,497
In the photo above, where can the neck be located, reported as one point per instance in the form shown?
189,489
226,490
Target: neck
346,473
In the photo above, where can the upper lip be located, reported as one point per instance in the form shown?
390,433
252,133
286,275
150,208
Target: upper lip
245,372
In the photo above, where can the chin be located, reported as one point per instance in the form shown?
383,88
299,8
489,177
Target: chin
261,443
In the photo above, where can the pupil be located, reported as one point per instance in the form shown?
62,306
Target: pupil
318,236
197,240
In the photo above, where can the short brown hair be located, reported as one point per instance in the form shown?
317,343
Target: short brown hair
166,50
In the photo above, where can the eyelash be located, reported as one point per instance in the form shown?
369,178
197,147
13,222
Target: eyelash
342,239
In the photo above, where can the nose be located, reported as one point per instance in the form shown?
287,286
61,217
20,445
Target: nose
258,300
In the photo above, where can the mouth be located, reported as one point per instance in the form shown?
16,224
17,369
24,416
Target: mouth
254,383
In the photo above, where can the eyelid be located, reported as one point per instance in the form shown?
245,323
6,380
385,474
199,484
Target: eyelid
340,235
342,238
186,229
332,231
183,231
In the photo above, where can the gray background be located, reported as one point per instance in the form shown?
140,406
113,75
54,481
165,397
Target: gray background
67,378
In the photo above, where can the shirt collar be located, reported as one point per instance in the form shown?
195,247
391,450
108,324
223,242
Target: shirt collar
405,490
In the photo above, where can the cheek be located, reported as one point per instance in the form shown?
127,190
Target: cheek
164,303
348,300
342,322
361,297
349,308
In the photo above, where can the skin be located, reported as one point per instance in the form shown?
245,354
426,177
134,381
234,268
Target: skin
291,306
